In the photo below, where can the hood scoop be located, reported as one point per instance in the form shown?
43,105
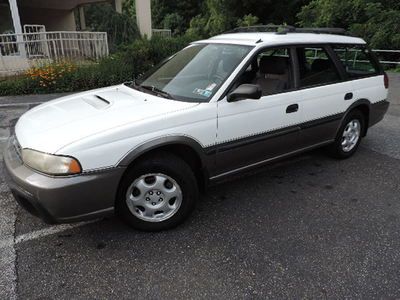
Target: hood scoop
97,101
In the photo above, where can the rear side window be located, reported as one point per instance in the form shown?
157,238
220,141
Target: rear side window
357,60
316,67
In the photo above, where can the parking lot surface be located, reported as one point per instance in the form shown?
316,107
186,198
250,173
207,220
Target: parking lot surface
310,227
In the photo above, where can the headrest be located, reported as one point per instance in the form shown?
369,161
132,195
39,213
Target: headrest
273,65
229,61
320,64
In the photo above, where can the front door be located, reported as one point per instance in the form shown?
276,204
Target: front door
251,132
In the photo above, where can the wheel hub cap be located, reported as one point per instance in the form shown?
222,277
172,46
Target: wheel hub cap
351,135
154,197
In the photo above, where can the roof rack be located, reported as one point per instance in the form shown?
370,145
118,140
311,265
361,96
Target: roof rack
284,29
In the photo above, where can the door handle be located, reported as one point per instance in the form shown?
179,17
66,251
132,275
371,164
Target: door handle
348,96
292,108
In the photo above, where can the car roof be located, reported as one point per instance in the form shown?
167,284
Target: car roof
272,38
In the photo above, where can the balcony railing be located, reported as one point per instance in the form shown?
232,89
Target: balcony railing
162,32
18,52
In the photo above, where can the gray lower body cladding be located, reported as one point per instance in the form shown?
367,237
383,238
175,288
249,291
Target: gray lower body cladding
263,148
378,111
61,199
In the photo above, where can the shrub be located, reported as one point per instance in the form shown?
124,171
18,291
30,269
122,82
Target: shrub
131,61
51,75
16,86
142,54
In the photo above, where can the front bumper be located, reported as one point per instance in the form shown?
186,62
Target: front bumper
61,199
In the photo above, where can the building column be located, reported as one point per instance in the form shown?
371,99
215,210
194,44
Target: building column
118,6
17,26
82,20
143,17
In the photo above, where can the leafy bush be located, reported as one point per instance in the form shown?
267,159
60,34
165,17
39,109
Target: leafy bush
397,69
50,75
130,62
120,28
16,86
247,20
376,21
143,54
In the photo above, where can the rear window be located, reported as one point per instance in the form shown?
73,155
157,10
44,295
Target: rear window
357,60
316,67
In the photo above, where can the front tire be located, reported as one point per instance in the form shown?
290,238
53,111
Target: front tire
349,136
157,193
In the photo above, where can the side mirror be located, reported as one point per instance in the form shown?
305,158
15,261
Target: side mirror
245,91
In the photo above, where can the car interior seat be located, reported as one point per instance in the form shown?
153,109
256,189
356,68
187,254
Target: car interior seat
273,75
321,71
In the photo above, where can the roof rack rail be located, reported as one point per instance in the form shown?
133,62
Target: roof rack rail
260,28
284,29
330,30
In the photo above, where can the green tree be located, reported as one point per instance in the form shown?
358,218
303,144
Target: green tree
376,21
120,28
174,22
217,16
129,8
247,20
167,12
197,28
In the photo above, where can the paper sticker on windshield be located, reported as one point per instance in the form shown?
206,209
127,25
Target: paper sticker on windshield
211,86
201,92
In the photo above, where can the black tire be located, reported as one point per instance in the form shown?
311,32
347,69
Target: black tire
336,149
161,163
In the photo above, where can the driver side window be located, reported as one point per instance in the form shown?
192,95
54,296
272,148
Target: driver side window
271,70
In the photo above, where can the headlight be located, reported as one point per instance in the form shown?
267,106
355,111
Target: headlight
51,164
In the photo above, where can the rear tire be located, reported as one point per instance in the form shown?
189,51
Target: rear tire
349,136
157,193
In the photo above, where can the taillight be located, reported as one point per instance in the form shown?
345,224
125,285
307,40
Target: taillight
386,80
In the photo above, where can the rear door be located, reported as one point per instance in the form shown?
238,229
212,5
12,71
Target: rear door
365,74
325,93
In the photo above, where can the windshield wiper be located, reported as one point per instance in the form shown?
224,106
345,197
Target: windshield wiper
157,91
132,84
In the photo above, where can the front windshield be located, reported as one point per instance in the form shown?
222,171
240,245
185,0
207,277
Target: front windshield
195,73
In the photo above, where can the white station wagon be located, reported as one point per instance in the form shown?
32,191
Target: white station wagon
220,106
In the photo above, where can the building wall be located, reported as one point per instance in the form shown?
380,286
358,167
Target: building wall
53,19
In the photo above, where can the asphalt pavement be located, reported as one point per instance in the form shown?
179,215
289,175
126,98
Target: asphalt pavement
309,227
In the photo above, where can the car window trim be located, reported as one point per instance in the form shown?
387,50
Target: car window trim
339,69
188,99
374,60
248,63
343,78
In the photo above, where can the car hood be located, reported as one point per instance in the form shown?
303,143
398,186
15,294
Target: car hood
58,123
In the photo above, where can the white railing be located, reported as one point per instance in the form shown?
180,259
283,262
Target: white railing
18,52
382,61
162,32
355,60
